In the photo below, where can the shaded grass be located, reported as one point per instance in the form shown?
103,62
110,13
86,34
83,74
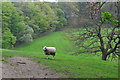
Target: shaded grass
80,66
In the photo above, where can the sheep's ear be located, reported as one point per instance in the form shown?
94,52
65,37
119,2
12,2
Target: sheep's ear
45,48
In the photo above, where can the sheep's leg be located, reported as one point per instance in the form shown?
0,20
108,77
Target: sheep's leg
53,57
47,57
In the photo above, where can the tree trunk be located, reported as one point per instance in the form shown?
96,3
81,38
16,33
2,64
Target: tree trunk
104,56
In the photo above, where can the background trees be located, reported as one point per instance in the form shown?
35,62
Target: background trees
13,25
8,38
25,21
102,36
61,18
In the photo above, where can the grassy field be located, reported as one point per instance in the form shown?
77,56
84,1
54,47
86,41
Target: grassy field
81,66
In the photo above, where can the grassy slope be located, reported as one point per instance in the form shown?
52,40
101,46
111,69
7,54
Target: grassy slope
82,66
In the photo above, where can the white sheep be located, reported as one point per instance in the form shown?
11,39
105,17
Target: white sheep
49,51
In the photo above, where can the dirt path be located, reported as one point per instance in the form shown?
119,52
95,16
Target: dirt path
21,67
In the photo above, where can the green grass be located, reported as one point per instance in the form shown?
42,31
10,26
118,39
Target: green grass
81,66
55,39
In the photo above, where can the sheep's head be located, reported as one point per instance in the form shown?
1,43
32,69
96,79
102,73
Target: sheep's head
44,48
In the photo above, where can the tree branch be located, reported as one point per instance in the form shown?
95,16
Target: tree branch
115,47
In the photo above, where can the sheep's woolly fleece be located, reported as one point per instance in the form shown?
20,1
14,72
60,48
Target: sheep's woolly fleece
51,49
21,67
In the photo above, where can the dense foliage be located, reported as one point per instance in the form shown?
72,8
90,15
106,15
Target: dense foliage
24,21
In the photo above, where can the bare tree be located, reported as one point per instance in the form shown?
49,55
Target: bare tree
104,36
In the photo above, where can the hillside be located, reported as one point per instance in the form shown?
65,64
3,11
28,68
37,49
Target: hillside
81,66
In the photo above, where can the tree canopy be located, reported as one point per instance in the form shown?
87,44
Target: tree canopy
25,21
